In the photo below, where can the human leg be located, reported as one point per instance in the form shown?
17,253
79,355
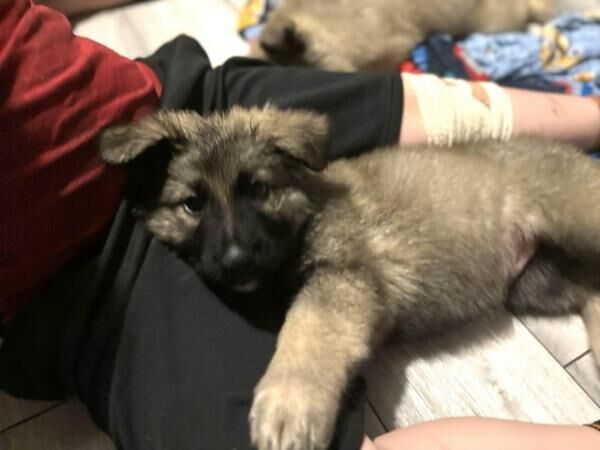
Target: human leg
187,363
477,433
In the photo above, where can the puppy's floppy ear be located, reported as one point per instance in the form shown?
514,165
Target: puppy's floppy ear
301,135
121,144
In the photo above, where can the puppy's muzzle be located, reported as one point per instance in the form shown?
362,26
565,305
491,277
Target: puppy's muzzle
236,266
234,261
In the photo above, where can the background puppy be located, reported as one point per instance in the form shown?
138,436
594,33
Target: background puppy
396,239
351,35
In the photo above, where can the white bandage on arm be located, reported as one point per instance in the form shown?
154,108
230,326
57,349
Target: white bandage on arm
452,112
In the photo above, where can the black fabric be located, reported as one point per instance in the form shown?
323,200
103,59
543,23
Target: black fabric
364,109
188,362
33,341
65,341
161,361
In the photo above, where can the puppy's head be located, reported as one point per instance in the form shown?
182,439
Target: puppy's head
300,33
230,193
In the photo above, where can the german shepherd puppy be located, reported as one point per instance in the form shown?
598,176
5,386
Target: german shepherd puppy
351,35
407,240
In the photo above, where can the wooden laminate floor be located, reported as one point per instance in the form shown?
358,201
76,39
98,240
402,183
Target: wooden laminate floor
530,369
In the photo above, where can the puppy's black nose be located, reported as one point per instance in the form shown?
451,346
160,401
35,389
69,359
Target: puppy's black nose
234,258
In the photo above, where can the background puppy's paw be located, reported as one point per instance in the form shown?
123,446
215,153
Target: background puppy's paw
292,415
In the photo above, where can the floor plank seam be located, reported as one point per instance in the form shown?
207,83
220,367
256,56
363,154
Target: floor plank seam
541,342
583,355
565,366
577,382
34,416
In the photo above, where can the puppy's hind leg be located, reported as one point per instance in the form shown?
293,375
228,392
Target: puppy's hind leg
565,185
552,283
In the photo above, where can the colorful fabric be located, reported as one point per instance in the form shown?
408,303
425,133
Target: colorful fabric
440,55
565,52
253,16
57,91
561,56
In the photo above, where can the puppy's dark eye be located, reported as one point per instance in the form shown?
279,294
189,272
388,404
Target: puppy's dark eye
259,190
193,204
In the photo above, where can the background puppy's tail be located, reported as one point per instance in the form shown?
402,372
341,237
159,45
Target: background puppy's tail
541,11
591,317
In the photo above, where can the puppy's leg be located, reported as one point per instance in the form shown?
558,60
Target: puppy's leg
552,283
566,185
562,184
327,335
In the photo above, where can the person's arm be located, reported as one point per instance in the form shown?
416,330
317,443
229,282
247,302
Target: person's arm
567,118
474,433
58,91
563,117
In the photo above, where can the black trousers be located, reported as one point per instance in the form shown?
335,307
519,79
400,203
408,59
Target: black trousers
161,361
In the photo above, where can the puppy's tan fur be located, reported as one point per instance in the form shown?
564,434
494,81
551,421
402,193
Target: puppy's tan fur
397,240
351,35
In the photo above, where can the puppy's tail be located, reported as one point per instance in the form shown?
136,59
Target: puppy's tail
541,11
591,317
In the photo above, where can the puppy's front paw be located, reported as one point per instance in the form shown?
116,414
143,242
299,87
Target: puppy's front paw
292,414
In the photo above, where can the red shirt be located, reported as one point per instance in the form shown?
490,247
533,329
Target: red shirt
57,91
